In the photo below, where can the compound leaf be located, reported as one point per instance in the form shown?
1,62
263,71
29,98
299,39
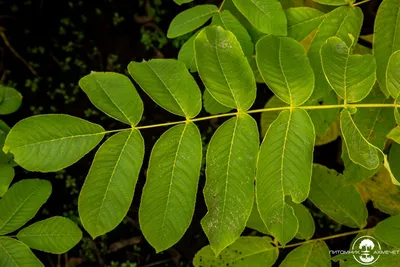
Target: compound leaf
311,254
388,231
54,235
115,95
386,38
49,143
343,203
108,190
284,168
169,195
350,76
190,19
360,151
224,69
266,16
393,75
10,100
245,251
14,253
21,203
285,68
169,84
230,172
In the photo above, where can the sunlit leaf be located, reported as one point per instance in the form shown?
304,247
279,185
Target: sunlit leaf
190,19
393,74
285,68
169,84
21,203
169,195
284,168
246,251
343,203
49,143
311,254
224,69
108,190
14,253
54,235
230,172
114,94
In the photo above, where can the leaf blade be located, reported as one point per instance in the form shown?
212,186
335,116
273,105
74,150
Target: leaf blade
14,253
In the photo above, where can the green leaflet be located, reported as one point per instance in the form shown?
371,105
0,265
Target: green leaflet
266,16
268,117
158,78
386,165
230,172
284,168
335,2
344,72
314,254
212,106
394,159
181,2
255,222
393,74
10,100
245,251
302,21
4,130
306,222
115,95
190,19
343,203
49,143
227,21
54,235
388,231
395,134
224,69
285,68
169,195
386,38
186,53
342,22
360,151
6,176
21,203
14,253
110,184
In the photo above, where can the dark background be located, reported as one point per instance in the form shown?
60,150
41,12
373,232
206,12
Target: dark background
63,41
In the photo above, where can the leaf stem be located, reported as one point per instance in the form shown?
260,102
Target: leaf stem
360,3
326,238
221,6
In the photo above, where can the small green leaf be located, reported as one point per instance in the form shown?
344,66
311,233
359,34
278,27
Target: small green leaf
246,251
224,69
6,176
110,184
169,195
181,2
393,75
10,100
386,39
186,53
212,106
115,95
306,222
266,16
284,168
302,21
14,253
344,72
49,143
268,117
335,2
230,171
395,134
285,68
169,84
360,151
230,23
388,231
311,254
190,19
21,203
343,203
54,235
